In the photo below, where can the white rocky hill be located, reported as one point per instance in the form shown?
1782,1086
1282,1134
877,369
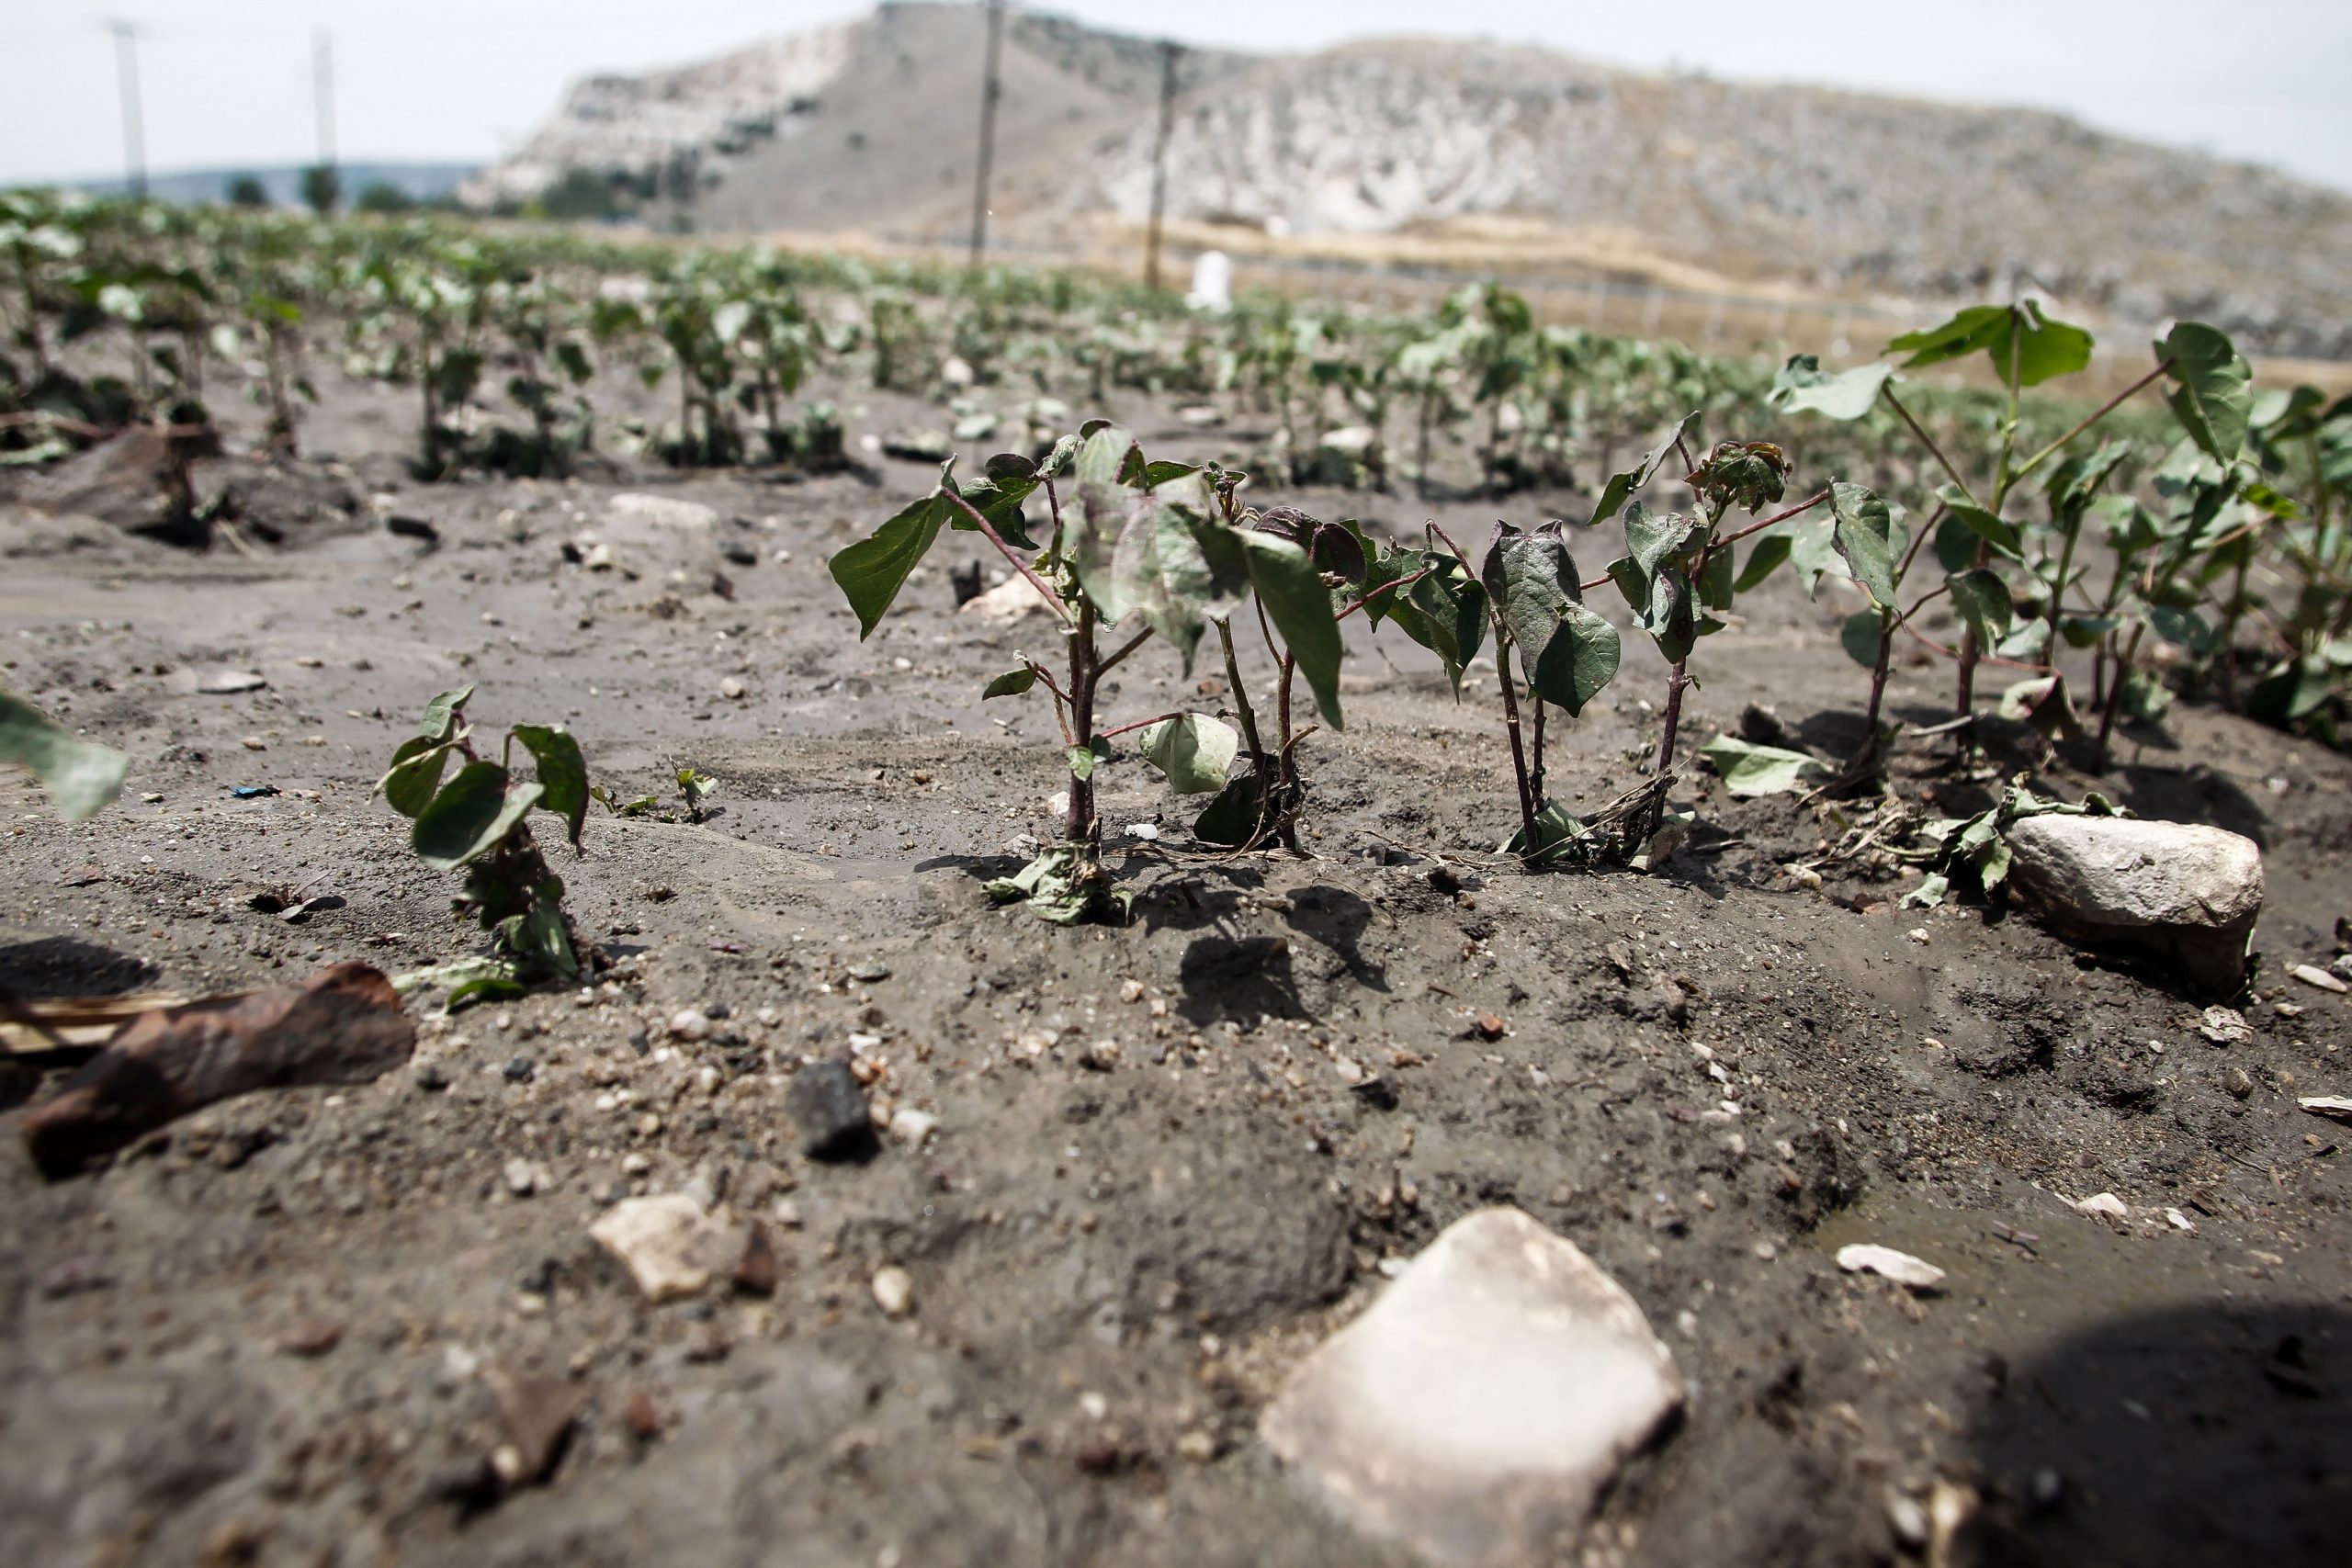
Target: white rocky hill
872,125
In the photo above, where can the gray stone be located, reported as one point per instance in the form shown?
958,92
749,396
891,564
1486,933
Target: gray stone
828,1105
1477,1409
2185,893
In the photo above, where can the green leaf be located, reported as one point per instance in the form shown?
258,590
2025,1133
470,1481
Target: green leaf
1012,683
1750,770
1860,636
82,778
1663,605
484,988
1982,601
442,715
1865,536
563,773
1083,760
1445,612
2001,535
872,570
1714,581
415,773
1657,542
1300,607
1933,889
1195,751
2212,388
1620,486
1764,559
2042,348
471,816
1569,652
2184,627
1803,386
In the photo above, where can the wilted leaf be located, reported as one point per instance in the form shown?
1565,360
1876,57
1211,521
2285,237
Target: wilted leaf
1300,607
1012,683
1750,770
1865,535
81,777
1803,386
1195,751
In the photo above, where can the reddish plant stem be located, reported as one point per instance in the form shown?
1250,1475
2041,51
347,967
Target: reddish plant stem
1139,724
1384,588
980,520
1080,827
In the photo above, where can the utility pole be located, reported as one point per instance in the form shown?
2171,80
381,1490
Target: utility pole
322,90
987,134
1168,53
134,134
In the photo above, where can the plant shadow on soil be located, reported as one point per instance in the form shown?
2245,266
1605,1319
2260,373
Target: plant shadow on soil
2201,1435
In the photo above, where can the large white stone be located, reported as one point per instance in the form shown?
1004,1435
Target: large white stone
666,1243
2184,891
1476,1408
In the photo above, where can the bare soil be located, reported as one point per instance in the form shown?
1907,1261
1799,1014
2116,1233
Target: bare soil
263,1335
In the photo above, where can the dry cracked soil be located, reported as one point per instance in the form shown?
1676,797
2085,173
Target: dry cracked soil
291,1327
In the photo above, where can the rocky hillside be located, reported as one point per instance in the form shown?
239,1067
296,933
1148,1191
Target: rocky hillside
872,126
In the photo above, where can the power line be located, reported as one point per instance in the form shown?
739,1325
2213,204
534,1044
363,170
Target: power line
988,91
134,131
1168,53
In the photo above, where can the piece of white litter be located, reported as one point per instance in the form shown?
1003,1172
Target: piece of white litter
2313,974
2331,1105
1900,1266
2103,1205
2180,1221
1147,832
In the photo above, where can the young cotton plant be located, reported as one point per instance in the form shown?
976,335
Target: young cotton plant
477,821
1157,547
1976,537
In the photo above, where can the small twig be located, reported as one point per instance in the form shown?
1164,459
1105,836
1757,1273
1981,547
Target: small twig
2105,409
1139,724
1124,648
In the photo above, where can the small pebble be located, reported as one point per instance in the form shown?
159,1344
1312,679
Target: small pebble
690,1023
732,689
522,1178
894,1291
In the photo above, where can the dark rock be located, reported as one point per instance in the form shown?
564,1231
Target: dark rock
828,1105
755,1270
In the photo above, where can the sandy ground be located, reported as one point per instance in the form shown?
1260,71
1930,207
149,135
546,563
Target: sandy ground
1112,1265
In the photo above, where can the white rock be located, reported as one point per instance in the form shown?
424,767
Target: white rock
2226,1026
2184,891
1351,441
690,1023
955,374
2180,1221
664,1243
912,1127
662,510
1914,1273
521,1178
1147,832
1007,603
2330,1105
2313,974
2104,1206
1477,1409
227,683
732,689
894,1290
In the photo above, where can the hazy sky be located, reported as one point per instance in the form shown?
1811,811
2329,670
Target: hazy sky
227,82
